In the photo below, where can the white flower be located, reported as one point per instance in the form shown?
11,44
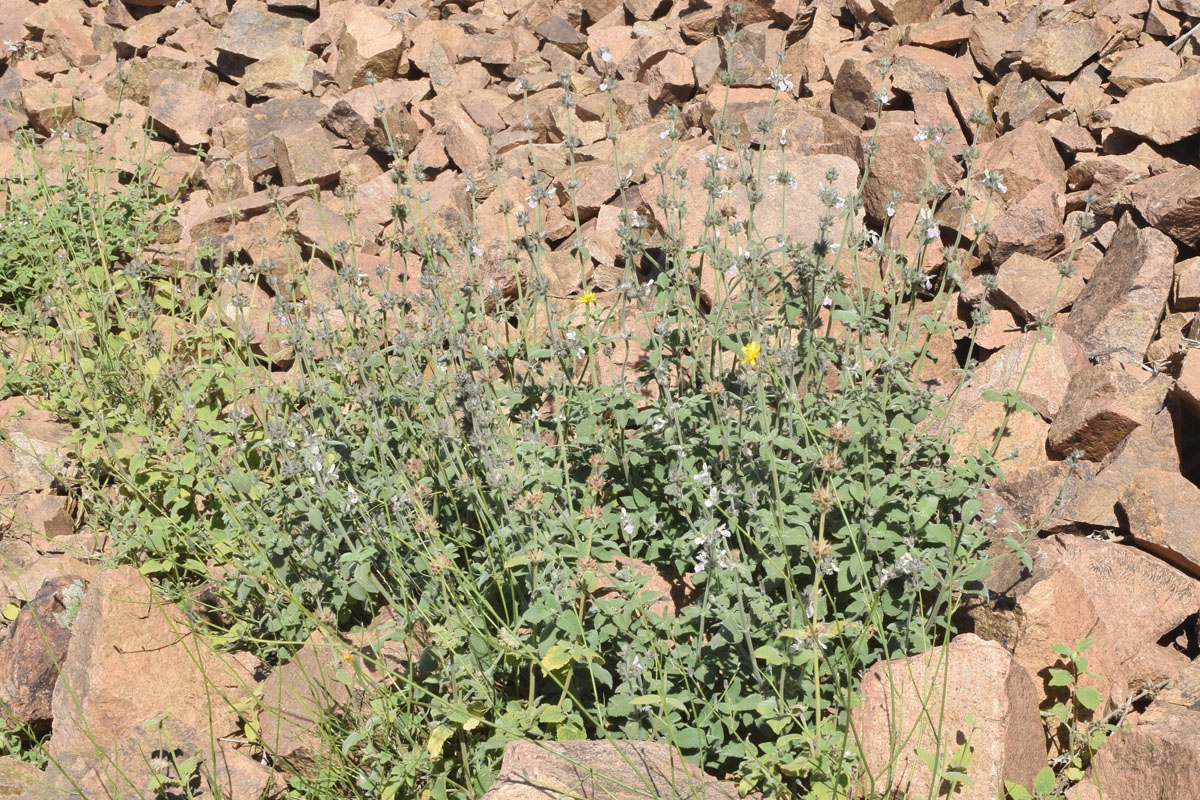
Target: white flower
827,302
520,85
993,181
605,86
784,83
475,251
12,48
712,160
666,132
732,271
920,135
783,140
605,56
882,97
926,220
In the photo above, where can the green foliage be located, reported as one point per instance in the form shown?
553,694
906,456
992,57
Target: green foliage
67,222
24,743
513,473
1076,728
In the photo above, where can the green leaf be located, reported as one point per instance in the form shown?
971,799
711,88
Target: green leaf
770,655
11,611
1088,697
557,657
1061,677
1043,782
1016,791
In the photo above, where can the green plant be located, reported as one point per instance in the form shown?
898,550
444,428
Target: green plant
24,743
63,221
1079,734
511,456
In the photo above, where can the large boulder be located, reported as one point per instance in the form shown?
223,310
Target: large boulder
990,705
132,657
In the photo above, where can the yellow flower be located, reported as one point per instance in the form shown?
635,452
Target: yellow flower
587,298
750,353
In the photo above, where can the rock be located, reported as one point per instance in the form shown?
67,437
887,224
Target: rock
369,44
1156,757
1153,62
797,218
1118,311
1034,289
899,166
287,72
1090,498
1032,226
671,79
180,111
298,693
904,12
47,107
1058,50
155,759
307,157
1170,201
35,447
1161,113
17,777
1161,509
1026,157
1103,405
35,644
254,32
990,702
465,144
618,770
1125,599
277,117
1187,284
131,657
1042,369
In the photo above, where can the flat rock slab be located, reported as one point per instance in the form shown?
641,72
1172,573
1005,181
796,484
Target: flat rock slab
623,770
